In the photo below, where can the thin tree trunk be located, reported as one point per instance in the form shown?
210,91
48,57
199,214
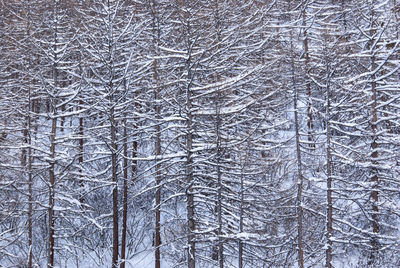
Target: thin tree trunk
114,170
28,141
299,197
241,221
189,167
134,161
125,198
114,146
219,149
219,187
374,146
310,123
52,187
375,178
53,145
30,198
158,198
156,41
27,164
30,192
189,191
241,207
81,152
62,119
191,247
329,216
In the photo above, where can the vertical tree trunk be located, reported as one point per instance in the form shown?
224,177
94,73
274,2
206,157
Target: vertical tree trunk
113,134
329,216
134,160
374,145
189,190
27,164
125,198
189,166
310,123
52,186
158,196
219,186
114,170
299,197
28,142
374,178
81,152
191,244
63,108
156,41
53,103
30,182
189,181
30,193
134,155
218,147
241,206
240,265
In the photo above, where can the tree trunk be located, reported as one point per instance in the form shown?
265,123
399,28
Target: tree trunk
219,187
114,175
125,198
30,181
310,123
158,199
374,146
329,216
240,265
27,164
157,110
189,169
219,149
191,247
299,197
53,102
81,152
52,187
374,178
28,142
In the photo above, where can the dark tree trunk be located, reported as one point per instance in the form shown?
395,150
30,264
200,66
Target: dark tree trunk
114,175
299,197
125,198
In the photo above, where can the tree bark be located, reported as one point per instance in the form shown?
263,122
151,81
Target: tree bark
329,216
374,146
190,210
81,152
310,123
189,168
27,164
374,178
158,200
218,148
114,170
53,102
157,110
219,187
240,265
52,187
299,197
28,142
125,198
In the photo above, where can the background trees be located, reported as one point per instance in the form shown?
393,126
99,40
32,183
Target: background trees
203,133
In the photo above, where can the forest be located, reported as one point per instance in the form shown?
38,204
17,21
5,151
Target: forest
199,133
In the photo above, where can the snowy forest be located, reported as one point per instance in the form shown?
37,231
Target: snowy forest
199,133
